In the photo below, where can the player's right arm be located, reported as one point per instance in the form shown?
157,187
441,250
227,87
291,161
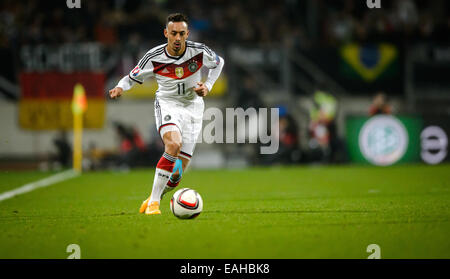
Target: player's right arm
142,71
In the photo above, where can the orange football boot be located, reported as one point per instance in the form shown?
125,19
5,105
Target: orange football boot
144,206
153,208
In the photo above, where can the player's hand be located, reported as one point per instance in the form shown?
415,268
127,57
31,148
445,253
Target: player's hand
201,89
115,92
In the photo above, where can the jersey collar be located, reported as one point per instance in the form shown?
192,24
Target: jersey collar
173,57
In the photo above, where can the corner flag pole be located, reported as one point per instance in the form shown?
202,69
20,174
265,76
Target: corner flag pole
79,106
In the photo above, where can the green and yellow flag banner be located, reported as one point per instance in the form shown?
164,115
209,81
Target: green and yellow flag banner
369,62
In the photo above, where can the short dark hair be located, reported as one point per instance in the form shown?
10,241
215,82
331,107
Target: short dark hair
177,17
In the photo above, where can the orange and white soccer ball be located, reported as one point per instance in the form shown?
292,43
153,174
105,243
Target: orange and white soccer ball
186,203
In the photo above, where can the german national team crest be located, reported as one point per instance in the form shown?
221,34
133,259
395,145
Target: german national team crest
179,72
193,67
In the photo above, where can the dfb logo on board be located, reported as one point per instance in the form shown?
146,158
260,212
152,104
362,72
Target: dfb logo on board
383,140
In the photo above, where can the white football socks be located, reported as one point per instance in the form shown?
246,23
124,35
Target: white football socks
162,174
159,183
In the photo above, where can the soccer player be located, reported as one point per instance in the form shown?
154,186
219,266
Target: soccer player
179,103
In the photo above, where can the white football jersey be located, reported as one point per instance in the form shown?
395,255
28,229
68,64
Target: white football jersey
176,76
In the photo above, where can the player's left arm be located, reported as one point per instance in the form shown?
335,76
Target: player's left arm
215,64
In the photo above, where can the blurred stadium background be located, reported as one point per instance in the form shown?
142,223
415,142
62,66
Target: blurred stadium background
328,65
355,87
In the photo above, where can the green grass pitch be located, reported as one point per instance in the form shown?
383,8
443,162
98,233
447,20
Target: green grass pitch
282,212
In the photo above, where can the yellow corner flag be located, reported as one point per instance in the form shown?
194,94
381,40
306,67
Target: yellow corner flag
79,101
79,106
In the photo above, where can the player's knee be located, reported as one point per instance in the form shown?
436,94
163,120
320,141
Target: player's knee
173,148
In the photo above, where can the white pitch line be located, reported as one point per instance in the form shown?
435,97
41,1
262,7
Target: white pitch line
39,184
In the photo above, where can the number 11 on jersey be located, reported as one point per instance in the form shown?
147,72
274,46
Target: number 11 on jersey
180,88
